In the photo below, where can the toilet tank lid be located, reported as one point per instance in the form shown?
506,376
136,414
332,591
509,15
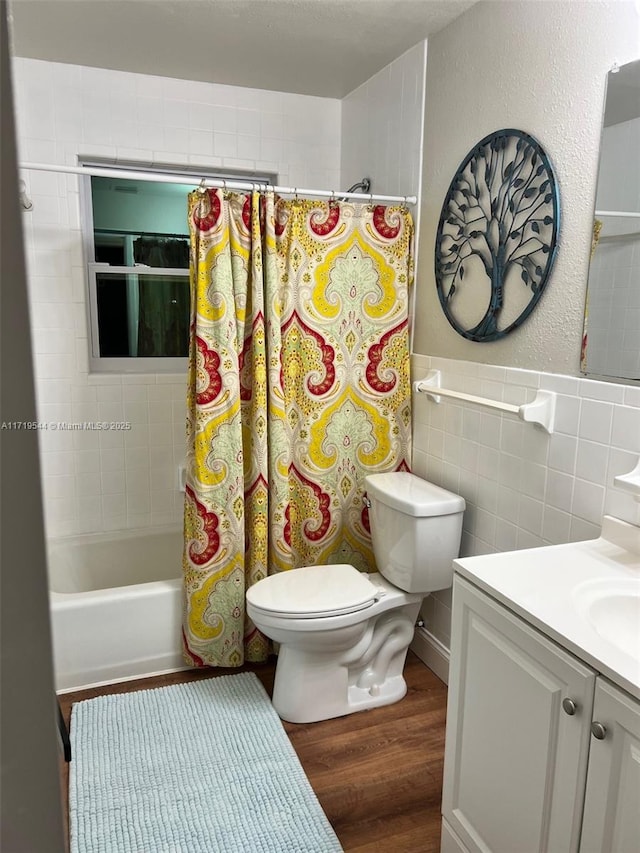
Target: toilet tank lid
412,495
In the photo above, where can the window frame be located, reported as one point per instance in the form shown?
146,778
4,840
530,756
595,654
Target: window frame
136,364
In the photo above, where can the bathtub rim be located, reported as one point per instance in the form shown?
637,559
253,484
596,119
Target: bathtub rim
133,590
103,537
108,535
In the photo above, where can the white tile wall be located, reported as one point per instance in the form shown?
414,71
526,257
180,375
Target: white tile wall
96,481
383,131
382,126
523,487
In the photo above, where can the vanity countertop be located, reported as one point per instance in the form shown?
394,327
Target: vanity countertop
567,590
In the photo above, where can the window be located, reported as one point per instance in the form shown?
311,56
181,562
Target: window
137,246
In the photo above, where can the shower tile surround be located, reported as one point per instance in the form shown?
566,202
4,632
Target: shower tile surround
100,481
382,127
383,130
523,487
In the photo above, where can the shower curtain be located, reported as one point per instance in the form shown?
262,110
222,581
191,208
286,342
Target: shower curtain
298,387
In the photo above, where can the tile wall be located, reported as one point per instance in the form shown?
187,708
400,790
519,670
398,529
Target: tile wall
523,487
382,126
95,481
383,130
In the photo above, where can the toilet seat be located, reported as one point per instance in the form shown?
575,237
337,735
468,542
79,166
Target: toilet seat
314,592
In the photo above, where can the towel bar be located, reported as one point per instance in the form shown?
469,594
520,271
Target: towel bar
540,411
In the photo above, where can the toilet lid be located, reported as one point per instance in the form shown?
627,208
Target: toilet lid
314,591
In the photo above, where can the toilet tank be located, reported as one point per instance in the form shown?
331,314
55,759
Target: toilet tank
416,528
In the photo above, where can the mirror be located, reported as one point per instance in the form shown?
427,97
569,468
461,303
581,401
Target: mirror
611,340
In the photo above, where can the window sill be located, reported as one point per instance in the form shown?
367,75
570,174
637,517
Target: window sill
136,367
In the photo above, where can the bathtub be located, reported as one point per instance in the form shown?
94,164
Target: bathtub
116,606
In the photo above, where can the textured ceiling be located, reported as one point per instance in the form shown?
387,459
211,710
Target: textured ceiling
312,47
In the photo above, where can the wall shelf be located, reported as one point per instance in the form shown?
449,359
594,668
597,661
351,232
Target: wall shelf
540,411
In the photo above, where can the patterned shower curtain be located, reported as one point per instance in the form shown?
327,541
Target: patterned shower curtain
298,388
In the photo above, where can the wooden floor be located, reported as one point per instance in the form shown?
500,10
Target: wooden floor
377,774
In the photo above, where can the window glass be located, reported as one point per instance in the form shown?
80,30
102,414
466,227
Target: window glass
139,209
142,314
139,225
137,244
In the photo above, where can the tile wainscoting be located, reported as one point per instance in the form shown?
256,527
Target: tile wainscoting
523,487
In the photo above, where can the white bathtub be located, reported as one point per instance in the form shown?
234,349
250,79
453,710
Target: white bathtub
116,606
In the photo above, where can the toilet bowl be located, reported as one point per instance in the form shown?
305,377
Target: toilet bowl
344,634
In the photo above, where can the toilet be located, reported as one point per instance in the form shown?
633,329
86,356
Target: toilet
344,634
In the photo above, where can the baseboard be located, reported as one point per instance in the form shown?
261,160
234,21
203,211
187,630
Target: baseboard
431,652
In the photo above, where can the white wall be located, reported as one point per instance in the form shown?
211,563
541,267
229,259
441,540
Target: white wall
95,481
541,68
613,347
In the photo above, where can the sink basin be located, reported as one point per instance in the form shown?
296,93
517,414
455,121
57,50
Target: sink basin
585,596
612,608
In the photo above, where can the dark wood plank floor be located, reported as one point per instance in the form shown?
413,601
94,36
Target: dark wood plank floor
377,774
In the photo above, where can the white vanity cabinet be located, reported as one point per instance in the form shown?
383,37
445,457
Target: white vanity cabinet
519,742
612,804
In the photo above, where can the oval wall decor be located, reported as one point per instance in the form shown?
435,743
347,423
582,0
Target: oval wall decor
497,236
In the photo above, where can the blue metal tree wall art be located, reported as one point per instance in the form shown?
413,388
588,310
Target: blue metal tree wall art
498,227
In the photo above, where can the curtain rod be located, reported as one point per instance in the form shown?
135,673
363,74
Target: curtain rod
166,178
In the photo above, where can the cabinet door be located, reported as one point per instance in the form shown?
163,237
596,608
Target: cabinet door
515,761
612,803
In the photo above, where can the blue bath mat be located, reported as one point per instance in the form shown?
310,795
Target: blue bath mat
204,767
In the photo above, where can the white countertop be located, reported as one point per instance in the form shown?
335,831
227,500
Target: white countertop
539,584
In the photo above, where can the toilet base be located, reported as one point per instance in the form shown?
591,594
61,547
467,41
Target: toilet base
393,690
312,685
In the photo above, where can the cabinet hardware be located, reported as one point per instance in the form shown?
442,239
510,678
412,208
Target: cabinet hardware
598,731
569,706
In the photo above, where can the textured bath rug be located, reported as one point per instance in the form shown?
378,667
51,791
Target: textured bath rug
204,767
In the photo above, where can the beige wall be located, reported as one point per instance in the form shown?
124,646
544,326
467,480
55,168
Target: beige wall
539,67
